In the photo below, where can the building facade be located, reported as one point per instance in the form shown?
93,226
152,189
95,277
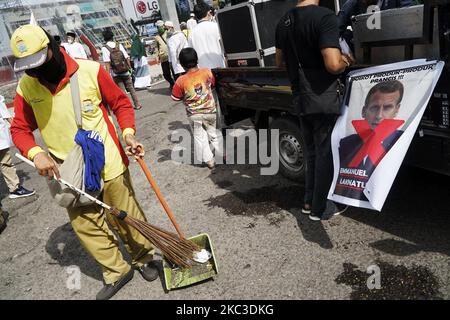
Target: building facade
89,18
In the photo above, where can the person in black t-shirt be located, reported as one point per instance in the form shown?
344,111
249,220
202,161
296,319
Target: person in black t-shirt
316,35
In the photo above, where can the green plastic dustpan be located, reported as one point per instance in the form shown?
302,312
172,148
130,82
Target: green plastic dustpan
176,277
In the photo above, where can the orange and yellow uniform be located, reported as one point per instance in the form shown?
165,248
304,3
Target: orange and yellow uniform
37,107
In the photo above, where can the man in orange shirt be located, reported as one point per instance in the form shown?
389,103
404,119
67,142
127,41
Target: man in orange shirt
43,101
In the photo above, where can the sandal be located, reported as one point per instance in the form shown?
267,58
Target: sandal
139,107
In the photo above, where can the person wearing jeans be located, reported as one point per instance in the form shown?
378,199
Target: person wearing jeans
123,80
308,35
125,83
316,131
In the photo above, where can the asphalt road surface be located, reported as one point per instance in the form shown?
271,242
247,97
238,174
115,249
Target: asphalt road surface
265,248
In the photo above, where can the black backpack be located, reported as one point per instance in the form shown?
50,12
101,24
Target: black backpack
117,59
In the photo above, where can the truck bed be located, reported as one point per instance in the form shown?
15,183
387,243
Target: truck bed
255,88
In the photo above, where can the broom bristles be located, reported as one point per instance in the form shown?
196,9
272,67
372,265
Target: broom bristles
177,250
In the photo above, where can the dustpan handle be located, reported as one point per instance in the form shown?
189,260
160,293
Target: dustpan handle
159,195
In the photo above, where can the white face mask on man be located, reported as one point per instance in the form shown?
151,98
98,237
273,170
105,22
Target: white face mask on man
70,40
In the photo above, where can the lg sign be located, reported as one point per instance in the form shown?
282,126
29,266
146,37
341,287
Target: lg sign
155,5
142,7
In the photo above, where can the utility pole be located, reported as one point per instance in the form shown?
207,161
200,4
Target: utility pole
169,12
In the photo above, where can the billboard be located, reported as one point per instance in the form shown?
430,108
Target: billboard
141,9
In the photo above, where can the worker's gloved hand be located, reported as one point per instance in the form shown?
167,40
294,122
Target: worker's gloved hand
46,166
134,148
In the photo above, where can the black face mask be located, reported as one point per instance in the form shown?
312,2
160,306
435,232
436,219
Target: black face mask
51,71
54,70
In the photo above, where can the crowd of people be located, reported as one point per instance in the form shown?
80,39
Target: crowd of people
306,38
200,32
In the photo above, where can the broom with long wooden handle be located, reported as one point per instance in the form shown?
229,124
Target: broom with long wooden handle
159,196
175,248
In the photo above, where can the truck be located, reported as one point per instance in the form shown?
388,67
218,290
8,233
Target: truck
263,94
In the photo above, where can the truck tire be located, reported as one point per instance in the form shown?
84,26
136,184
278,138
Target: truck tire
291,147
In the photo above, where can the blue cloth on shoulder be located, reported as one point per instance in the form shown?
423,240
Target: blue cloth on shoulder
94,157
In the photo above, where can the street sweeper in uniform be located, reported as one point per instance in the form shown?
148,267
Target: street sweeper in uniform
44,101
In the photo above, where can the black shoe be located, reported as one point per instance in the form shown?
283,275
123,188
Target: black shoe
314,217
149,271
21,192
306,209
110,290
340,208
332,209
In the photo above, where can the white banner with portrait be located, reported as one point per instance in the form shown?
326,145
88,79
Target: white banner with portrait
381,112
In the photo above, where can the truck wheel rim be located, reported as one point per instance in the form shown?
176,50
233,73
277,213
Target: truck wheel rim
291,153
